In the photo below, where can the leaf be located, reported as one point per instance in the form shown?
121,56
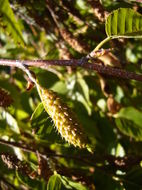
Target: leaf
37,118
43,125
132,114
30,183
124,22
10,120
9,21
132,180
69,184
128,120
58,182
79,90
55,183
129,128
104,181
59,87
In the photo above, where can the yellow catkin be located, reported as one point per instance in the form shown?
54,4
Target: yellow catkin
63,117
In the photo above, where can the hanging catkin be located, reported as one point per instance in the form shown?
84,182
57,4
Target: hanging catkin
63,117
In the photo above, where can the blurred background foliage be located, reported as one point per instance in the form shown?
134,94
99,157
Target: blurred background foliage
33,155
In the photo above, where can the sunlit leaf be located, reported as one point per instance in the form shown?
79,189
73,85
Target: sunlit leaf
55,183
132,114
10,120
129,128
124,22
9,21
72,185
43,126
58,182
78,90
128,120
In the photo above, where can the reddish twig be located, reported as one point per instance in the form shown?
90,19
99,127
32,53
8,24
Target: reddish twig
96,66
125,162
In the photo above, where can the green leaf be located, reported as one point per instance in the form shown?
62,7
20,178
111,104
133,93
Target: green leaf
59,87
132,114
30,183
132,180
9,22
129,128
124,22
55,183
69,184
37,118
58,182
128,120
43,126
104,181
79,90
10,120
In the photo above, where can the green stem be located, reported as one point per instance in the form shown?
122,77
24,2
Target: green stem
93,54
102,43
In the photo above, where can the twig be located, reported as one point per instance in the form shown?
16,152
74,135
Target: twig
96,66
18,145
65,34
125,162
43,155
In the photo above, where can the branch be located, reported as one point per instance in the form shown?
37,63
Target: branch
83,62
43,155
123,163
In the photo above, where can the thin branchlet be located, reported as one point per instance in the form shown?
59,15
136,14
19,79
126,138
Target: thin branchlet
95,66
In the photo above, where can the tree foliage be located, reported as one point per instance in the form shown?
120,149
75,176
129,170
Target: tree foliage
36,144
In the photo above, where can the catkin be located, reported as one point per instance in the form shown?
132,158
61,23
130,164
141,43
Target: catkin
5,98
63,117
